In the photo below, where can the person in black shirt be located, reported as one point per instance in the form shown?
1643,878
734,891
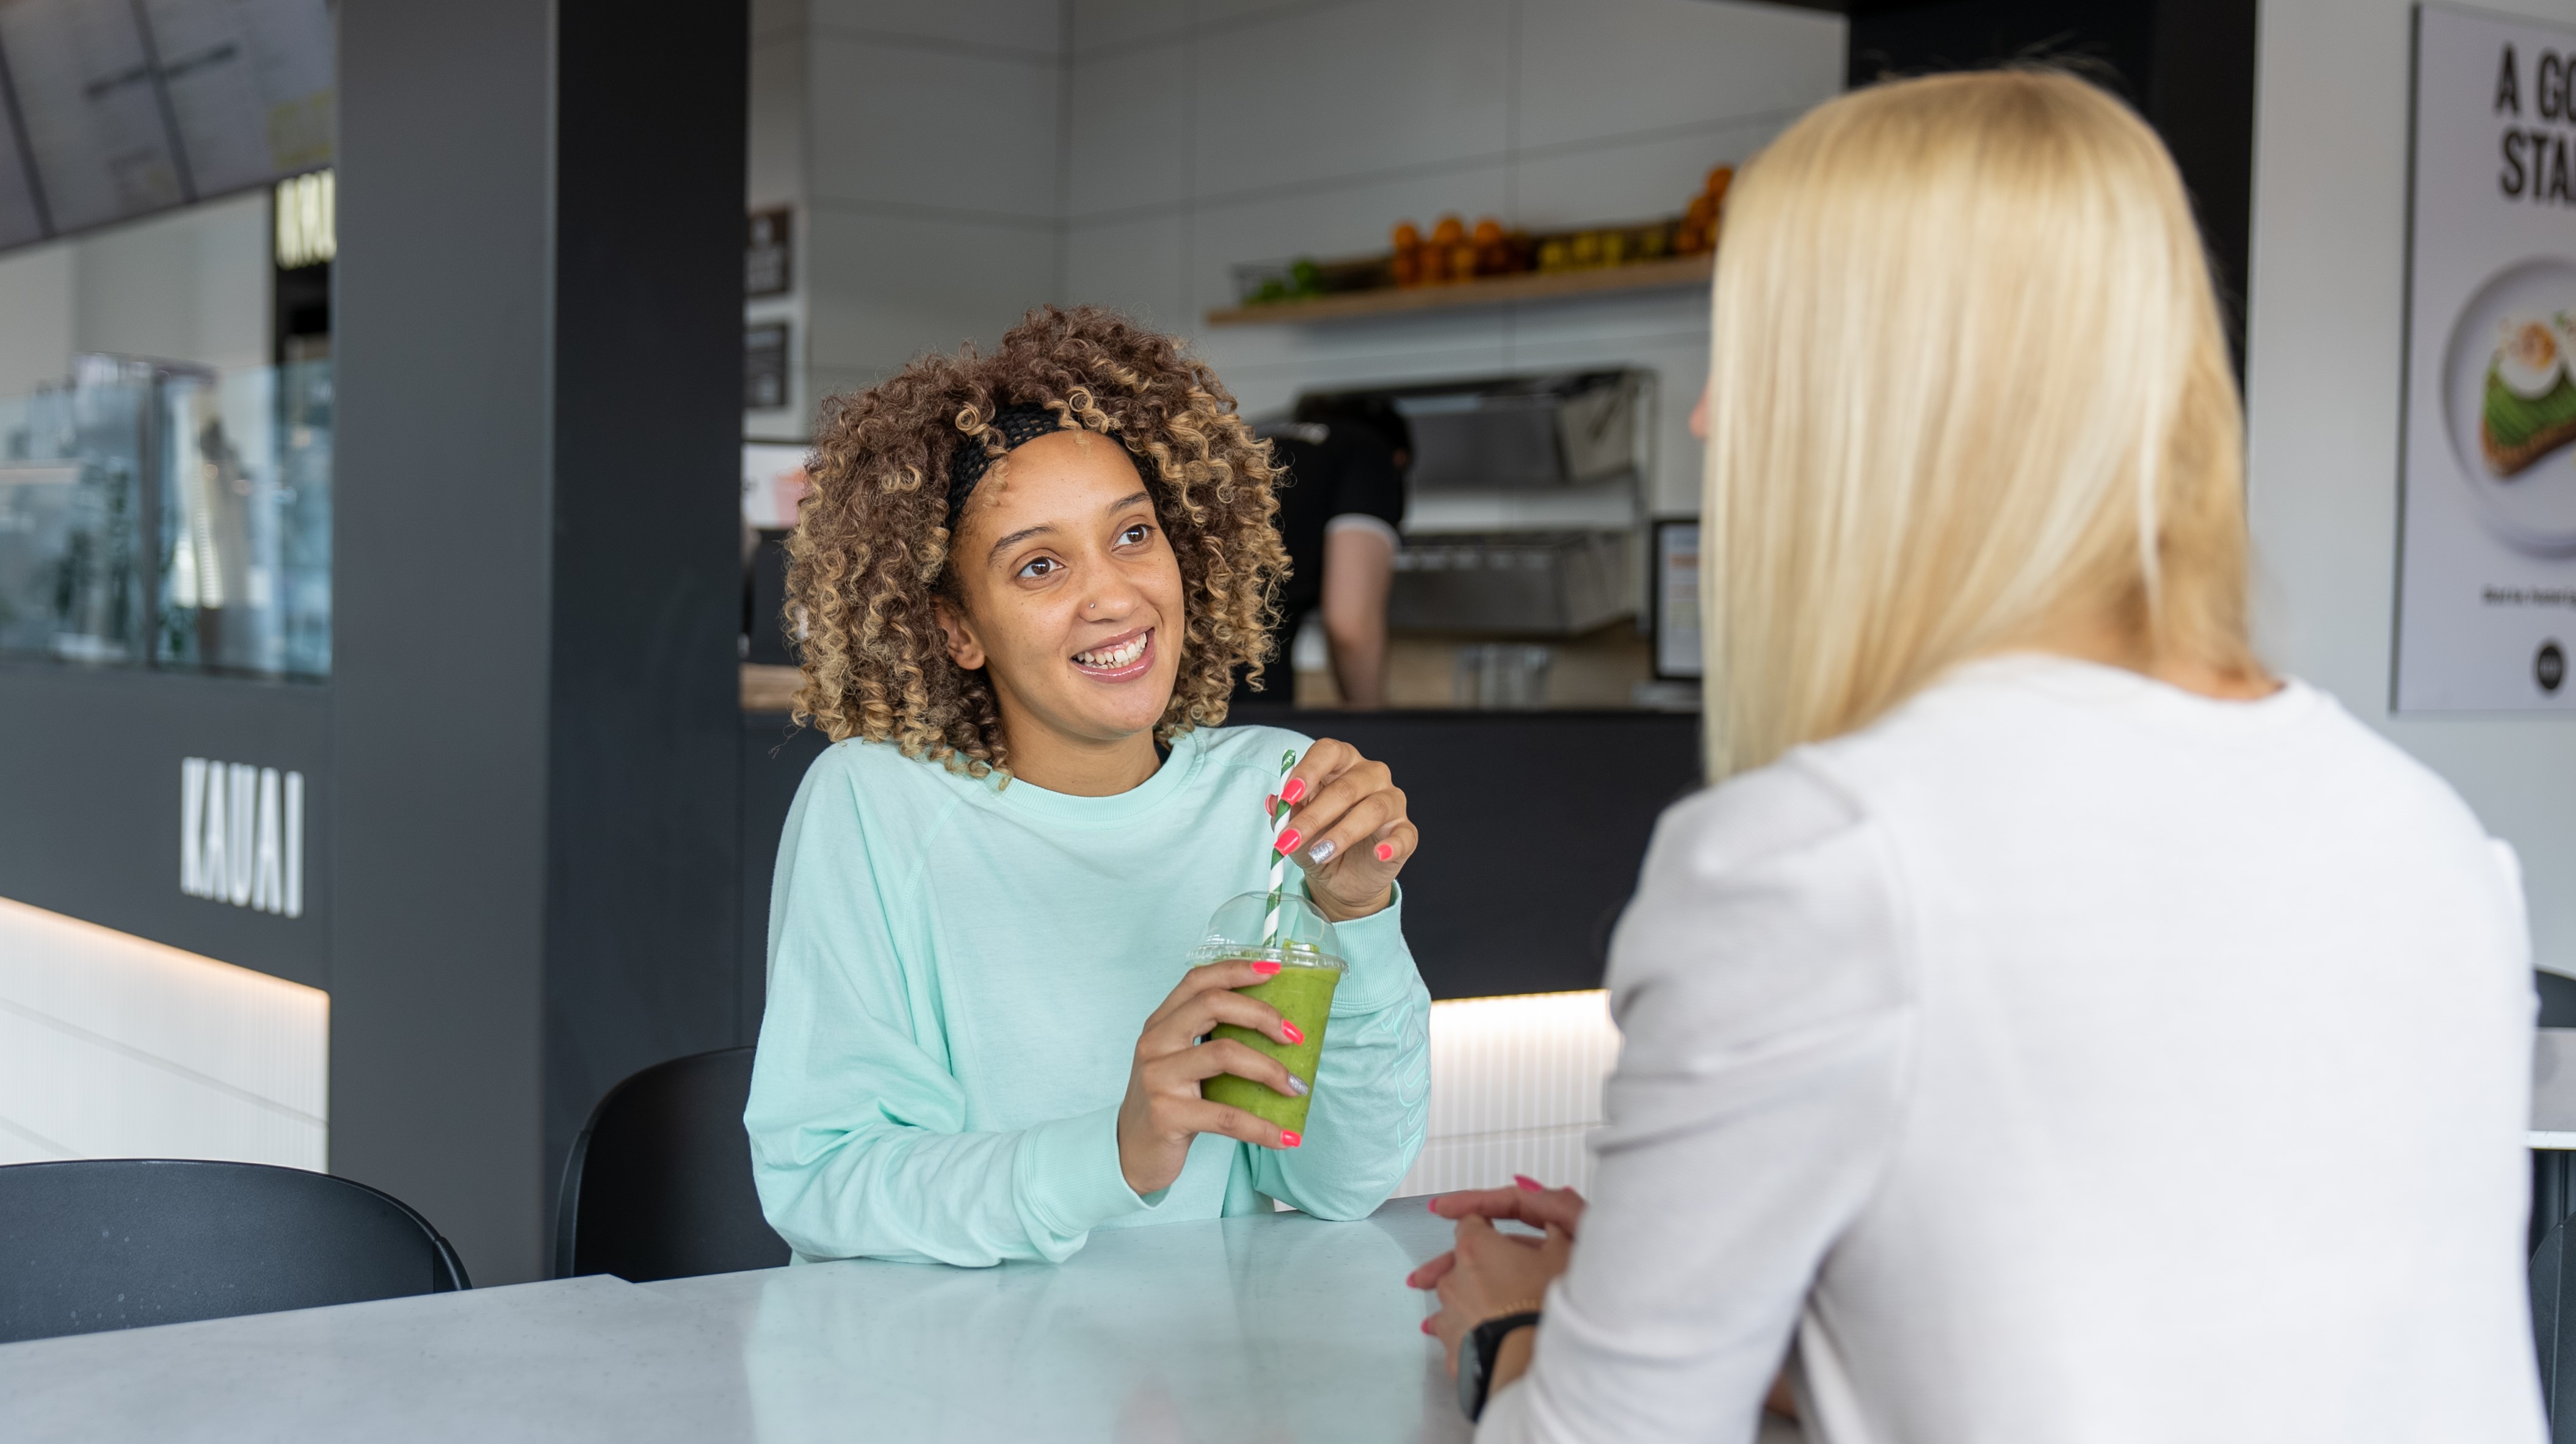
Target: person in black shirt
1341,500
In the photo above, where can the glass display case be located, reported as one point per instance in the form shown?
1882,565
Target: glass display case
71,517
171,516
244,550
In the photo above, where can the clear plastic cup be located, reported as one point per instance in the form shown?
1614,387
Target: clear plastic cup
1310,967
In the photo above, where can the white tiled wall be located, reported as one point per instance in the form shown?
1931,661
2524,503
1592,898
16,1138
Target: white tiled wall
115,1047
1515,1088
1202,135
958,163
920,146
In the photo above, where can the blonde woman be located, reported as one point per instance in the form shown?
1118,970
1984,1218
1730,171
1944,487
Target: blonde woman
2053,1027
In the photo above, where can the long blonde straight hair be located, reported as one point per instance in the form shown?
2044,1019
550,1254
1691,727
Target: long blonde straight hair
1969,389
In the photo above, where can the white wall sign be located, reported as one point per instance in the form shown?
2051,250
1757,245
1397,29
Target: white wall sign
241,835
2487,579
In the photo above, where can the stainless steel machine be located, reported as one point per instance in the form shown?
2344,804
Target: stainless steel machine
1526,503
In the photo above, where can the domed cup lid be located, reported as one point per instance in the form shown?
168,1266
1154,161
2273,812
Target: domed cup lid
1302,937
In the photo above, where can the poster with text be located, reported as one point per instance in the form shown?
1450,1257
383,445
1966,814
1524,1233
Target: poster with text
2486,614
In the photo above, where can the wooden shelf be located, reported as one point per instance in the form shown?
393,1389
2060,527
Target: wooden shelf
767,688
1670,274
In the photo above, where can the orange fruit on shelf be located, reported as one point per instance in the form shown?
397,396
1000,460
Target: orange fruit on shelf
1462,262
1407,235
1488,231
1449,232
1718,180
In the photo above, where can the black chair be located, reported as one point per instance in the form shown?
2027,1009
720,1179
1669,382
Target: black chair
2554,1331
659,1184
2557,999
2553,1271
2553,1170
119,1243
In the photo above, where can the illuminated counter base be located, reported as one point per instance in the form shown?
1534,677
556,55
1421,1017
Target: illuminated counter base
112,1046
1515,1088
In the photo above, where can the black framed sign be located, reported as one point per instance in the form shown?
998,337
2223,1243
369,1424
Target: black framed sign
764,366
768,257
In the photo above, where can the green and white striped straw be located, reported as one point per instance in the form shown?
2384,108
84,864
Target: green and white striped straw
1278,854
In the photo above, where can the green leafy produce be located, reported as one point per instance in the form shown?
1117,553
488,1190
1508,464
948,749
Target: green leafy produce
2513,421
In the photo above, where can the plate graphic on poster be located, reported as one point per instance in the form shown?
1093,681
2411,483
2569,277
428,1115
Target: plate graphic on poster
2525,496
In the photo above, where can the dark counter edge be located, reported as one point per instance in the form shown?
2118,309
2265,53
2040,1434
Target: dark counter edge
1533,825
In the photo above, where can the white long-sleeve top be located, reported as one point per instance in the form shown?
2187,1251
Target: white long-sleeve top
2066,1058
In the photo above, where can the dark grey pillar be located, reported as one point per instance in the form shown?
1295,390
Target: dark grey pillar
538,332
645,782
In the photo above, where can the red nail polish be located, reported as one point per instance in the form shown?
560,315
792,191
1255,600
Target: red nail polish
1270,805
1266,968
1529,1183
1386,852
1294,1036
1295,790
1288,840
1432,1204
1289,1138
1426,1327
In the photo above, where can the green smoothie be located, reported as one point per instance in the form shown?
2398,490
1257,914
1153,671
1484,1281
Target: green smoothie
1304,996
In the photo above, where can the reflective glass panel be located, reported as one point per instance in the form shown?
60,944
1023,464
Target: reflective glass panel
150,510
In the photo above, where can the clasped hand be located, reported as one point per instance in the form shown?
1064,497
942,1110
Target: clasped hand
1490,1272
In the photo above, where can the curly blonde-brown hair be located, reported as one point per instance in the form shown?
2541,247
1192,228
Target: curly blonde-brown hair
868,558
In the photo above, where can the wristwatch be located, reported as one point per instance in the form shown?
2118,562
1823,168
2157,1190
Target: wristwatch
1476,1357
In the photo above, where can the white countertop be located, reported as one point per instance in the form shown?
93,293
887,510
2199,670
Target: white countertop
1274,1328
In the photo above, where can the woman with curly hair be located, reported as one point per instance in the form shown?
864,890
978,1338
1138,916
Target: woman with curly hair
1024,581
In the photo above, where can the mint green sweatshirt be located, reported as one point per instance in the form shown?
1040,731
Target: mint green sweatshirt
958,972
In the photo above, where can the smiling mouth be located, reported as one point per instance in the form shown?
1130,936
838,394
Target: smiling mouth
1116,661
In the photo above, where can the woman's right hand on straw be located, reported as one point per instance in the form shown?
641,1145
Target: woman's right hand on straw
1348,828
1163,1111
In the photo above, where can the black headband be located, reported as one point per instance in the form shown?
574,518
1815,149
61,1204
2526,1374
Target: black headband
1017,425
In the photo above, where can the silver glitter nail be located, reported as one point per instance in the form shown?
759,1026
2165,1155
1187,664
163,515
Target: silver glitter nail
1323,851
